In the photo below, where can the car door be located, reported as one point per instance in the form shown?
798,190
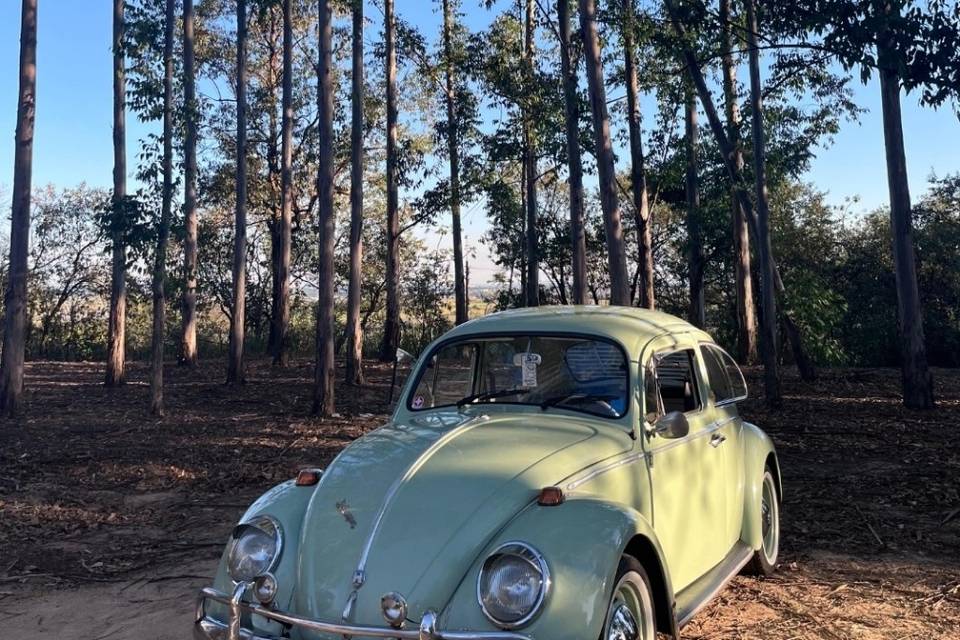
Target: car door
689,507
726,388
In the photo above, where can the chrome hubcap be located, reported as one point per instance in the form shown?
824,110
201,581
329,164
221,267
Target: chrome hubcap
623,625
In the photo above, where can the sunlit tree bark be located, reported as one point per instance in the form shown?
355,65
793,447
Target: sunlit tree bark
613,227
391,327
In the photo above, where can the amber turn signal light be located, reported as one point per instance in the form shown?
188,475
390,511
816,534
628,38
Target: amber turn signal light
550,497
308,477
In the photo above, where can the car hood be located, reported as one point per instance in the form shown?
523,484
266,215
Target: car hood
415,503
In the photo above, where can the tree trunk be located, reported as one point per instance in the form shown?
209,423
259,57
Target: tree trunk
354,332
619,280
453,150
391,327
163,232
917,380
638,173
15,321
117,320
578,237
696,313
768,343
280,355
188,338
530,167
746,311
323,396
235,373
807,371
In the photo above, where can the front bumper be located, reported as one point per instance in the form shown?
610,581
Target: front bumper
206,628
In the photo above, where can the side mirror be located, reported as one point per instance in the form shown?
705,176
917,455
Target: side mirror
672,425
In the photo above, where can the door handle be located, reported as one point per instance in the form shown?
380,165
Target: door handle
717,439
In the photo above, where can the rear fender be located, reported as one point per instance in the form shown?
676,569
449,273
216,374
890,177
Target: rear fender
759,452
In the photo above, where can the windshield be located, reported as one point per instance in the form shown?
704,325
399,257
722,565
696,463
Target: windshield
575,373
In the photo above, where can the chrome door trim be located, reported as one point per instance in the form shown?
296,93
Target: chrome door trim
708,430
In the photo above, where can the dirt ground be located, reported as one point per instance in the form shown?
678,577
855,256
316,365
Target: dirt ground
110,520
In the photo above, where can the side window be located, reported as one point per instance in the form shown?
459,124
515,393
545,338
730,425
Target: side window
726,379
716,374
676,380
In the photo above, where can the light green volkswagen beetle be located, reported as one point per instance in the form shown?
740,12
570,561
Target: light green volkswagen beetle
564,473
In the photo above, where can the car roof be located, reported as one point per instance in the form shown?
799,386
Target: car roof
630,326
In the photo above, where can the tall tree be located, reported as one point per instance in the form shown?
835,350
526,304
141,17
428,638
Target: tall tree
281,303
163,230
532,295
188,338
638,173
391,326
917,381
578,236
117,320
768,343
619,283
15,320
453,150
354,329
695,260
239,275
323,396
743,277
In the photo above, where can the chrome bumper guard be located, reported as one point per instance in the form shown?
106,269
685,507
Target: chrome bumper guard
206,628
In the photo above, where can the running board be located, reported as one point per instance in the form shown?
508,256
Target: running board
705,589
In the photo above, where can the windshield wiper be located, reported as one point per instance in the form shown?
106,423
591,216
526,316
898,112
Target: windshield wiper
489,395
577,396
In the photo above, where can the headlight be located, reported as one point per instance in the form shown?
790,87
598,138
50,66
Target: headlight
512,584
254,548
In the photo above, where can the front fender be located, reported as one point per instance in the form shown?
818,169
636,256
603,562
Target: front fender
582,541
758,450
286,503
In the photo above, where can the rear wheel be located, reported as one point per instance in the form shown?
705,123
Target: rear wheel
631,614
764,560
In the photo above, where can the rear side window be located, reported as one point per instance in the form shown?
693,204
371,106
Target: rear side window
726,379
676,383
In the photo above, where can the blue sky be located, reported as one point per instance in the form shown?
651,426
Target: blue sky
73,128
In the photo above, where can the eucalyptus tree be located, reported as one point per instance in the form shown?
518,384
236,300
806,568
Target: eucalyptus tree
188,336
450,60
531,171
354,329
235,371
638,174
323,396
15,302
571,103
696,313
163,229
619,283
391,325
743,276
281,309
117,317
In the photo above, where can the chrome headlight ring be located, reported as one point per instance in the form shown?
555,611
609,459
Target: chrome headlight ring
523,558
262,530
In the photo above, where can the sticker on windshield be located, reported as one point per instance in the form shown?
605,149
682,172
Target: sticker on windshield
528,363
417,402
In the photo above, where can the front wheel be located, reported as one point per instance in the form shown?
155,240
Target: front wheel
764,560
631,614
